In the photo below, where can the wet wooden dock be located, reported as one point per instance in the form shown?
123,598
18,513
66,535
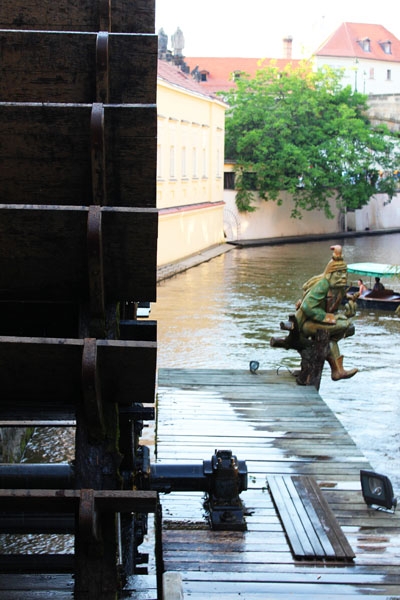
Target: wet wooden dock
278,428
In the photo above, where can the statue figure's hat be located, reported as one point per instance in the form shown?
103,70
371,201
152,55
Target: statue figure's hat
336,263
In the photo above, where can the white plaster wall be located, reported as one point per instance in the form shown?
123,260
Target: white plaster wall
378,214
183,233
367,76
271,220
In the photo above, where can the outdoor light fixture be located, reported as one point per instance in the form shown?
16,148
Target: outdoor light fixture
254,364
377,490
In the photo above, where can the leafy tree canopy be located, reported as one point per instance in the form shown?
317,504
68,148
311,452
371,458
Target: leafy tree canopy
300,131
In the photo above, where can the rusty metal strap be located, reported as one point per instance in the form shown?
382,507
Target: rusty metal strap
95,262
102,68
91,388
98,154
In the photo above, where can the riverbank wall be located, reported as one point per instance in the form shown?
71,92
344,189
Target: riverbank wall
271,220
166,271
296,239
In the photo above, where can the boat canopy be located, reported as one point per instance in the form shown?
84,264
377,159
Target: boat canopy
374,269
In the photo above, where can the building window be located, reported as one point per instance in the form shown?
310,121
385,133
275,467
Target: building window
204,163
365,44
172,162
372,73
229,181
194,162
159,162
184,168
388,75
386,47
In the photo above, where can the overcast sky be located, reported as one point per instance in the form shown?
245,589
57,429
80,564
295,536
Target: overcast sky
255,28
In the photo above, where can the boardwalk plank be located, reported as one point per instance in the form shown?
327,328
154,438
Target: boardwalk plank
279,429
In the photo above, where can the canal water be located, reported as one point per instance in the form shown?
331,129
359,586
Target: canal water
223,314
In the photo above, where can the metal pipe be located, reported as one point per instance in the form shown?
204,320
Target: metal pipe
37,476
178,478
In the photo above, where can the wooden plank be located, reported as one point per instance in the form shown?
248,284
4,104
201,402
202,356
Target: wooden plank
45,372
59,319
127,370
306,517
39,582
317,536
292,523
28,74
45,154
138,330
310,493
279,430
44,253
79,15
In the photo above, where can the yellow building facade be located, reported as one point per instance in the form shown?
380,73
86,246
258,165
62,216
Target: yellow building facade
190,166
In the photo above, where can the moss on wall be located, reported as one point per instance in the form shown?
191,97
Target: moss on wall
13,441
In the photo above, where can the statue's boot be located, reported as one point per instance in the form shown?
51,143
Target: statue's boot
337,370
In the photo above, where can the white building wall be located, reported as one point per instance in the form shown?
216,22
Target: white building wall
367,76
271,220
190,169
184,233
380,213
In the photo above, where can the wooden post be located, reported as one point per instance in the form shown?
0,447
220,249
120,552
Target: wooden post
313,352
312,360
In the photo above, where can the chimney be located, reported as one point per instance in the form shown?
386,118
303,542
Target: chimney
287,46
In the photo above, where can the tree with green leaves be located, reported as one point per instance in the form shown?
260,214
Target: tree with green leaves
302,132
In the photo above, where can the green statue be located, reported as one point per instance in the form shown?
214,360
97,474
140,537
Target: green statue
318,310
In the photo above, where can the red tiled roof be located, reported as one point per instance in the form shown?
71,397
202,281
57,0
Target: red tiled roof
175,76
219,70
345,42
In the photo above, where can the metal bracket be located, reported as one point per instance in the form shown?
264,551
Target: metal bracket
98,153
95,268
102,67
88,516
92,391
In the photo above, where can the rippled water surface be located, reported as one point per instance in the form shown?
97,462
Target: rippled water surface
224,312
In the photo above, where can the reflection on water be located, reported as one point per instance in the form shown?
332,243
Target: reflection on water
224,312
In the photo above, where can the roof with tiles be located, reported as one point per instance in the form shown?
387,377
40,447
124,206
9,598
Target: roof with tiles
174,75
219,71
361,40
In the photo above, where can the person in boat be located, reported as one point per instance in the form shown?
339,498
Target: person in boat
319,306
362,289
378,287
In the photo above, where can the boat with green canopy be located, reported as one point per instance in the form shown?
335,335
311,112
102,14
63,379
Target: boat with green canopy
385,299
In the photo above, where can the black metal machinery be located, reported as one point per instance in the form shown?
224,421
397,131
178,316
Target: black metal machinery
223,478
